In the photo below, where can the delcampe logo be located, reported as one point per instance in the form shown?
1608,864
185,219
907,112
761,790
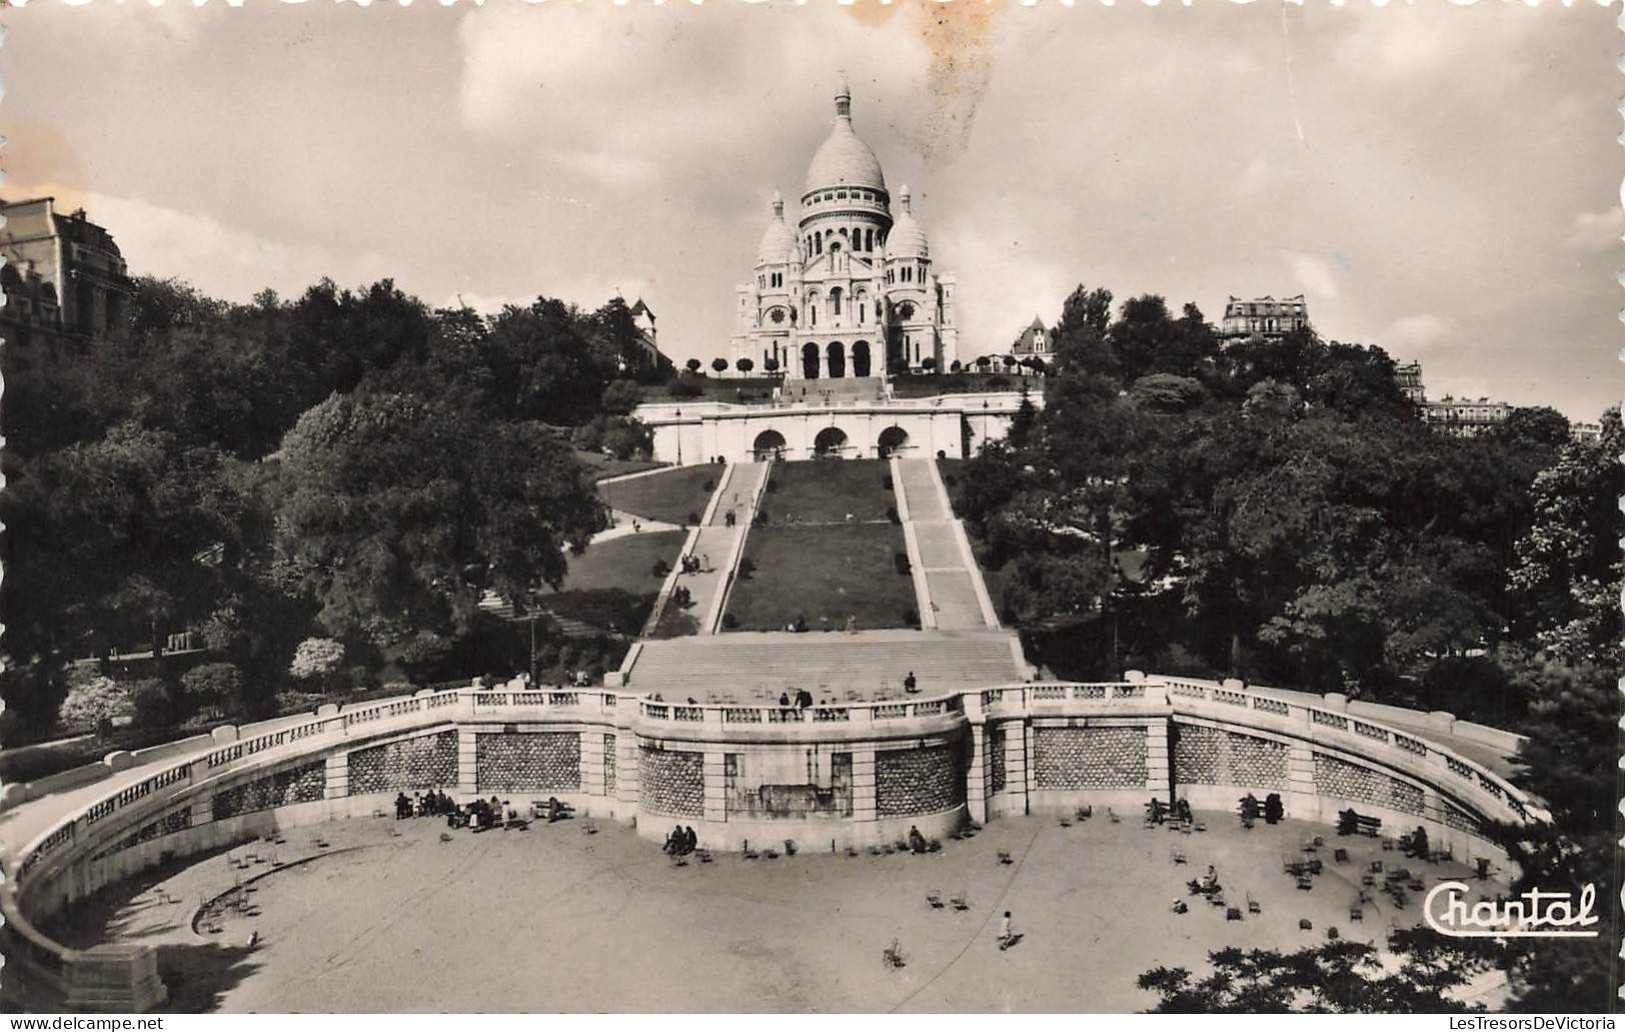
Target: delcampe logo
1533,915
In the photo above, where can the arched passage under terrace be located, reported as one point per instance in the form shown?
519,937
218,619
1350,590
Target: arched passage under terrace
769,444
836,363
830,442
809,361
891,440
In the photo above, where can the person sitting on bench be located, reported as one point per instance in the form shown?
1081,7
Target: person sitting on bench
916,841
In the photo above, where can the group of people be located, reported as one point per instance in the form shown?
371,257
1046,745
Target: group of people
682,841
696,564
803,699
434,803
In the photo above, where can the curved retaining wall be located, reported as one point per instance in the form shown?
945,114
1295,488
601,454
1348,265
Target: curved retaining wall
832,776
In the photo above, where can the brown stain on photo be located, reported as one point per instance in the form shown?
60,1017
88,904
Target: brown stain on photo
958,37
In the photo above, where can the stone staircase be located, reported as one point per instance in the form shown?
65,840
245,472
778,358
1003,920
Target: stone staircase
717,546
849,388
955,596
755,667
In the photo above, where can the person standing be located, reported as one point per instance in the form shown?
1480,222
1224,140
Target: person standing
1006,934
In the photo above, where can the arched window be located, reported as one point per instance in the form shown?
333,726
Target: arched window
835,301
868,240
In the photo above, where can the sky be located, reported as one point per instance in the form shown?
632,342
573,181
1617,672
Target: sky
1439,180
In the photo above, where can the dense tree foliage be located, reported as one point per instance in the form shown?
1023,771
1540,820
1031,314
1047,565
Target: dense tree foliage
159,480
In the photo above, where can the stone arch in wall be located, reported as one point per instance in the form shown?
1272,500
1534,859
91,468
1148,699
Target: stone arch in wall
769,444
809,361
830,442
892,439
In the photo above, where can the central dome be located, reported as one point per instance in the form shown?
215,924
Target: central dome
844,160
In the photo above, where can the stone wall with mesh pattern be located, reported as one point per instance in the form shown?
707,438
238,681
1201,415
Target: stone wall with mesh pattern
671,782
1088,757
303,784
995,758
512,761
1211,756
1461,820
609,765
405,766
1344,780
917,781
177,820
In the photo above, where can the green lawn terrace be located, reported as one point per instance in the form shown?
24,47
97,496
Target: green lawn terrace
829,576
829,491
611,587
677,495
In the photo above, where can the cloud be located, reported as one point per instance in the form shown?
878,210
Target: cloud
1314,275
1594,232
1414,335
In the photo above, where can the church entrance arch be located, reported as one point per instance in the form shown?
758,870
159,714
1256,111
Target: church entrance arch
837,360
830,443
860,358
769,445
809,361
891,440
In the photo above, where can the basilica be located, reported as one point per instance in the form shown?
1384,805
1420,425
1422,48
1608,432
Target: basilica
850,291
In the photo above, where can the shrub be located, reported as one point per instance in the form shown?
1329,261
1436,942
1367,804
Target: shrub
153,704
901,560
772,485
316,659
729,621
693,519
885,482
684,389
95,703
891,514
708,486
746,568
660,568
761,517
692,365
911,617
998,381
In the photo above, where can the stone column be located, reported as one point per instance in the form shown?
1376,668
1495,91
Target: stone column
1017,740
468,772
1158,759
716,787
592,762
976,775
338,776
863,785
1301,801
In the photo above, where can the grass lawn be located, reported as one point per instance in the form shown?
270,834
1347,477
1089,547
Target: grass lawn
600,465
732,389
823,574
825,491
672,496
612,585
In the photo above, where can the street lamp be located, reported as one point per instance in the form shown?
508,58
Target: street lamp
679,437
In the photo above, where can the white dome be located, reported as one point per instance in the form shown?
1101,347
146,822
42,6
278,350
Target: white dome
778,244
843,159
907,239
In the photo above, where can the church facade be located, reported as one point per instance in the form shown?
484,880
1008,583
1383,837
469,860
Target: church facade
850,289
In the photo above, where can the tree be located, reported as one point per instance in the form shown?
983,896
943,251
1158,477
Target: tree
1535,426
720,365
317,660
213,687
745,365
400,511
929,364
983,362
1336,978
693,365
548,363
1024,422
955,366
94,703
621,397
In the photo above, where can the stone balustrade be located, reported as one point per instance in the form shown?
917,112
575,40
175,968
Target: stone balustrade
933,761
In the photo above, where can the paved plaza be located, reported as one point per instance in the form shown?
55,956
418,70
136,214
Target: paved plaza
390,917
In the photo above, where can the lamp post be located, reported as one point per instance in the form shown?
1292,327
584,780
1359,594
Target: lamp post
679,437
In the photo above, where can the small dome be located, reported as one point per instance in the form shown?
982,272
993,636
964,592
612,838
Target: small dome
907,239
778,244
